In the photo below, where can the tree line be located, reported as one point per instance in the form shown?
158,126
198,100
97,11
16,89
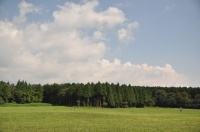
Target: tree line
99,95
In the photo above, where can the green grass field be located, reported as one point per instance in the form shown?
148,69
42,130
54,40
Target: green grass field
60,118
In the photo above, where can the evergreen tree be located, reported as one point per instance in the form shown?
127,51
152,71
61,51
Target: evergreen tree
111,98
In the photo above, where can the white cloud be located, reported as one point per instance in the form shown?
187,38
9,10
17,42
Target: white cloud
76,16
25,8
126,34
139,74
97,35
60,51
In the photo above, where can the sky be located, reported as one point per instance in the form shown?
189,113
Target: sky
137,42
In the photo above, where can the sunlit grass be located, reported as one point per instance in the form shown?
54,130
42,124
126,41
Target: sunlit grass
60,118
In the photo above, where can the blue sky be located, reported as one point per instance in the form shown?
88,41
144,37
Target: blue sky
136,42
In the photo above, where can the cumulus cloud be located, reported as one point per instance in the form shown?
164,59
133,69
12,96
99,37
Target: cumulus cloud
143,74
126,34
73,16
60,51
24,8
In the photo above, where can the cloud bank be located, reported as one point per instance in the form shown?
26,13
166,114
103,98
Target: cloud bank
62,51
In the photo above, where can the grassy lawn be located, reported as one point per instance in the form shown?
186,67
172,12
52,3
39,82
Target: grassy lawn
61,118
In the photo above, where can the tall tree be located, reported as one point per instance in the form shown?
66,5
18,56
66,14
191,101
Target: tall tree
161,97
111,98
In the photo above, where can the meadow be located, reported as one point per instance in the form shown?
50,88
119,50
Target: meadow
43,118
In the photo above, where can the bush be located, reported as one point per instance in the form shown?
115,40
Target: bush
1,100
125,104
105,104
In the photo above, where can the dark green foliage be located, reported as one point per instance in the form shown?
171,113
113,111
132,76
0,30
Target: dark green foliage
171,100
161,97
1,100
111,96
99,95
5,91
21,93
183,99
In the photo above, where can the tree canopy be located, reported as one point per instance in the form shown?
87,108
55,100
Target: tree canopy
100,95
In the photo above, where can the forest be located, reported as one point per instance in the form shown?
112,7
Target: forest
100,95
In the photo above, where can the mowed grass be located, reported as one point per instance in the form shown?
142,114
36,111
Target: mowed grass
66,119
